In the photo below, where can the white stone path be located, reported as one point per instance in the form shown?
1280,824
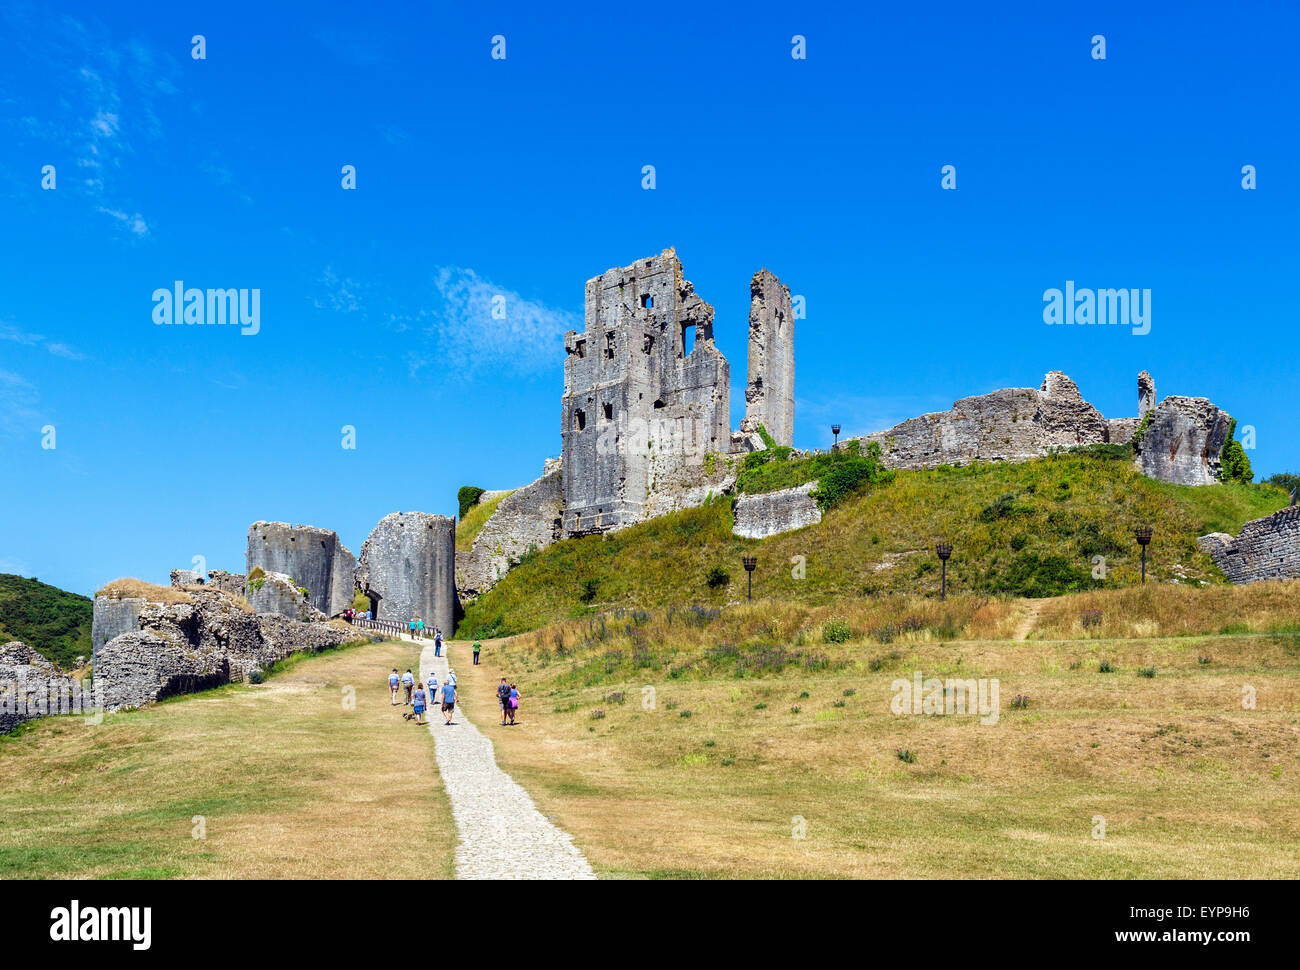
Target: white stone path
502,834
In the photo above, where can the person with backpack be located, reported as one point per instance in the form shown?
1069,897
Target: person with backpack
503,698
448,700
419,704
514,702
477,647
408,682
393,681
437,641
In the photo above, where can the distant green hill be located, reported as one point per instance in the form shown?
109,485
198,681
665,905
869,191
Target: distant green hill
54,622
1030,529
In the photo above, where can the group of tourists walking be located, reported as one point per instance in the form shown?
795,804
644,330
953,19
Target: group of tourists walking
416,625
421,695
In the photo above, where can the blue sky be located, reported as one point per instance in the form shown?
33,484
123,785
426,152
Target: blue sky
522,177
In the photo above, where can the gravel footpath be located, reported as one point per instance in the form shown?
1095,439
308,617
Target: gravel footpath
502,834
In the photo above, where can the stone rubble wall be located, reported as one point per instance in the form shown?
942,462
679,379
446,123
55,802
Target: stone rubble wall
529,517
1183,441
112,616
1011,424
212,640
770,513
409,562
276,593
31,686
315,558
1266,548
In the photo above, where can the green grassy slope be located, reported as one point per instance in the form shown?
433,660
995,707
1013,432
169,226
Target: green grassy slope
1029,529
54,622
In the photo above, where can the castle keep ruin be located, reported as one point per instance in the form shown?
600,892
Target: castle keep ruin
647,392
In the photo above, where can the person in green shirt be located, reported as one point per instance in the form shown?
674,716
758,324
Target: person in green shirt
477,647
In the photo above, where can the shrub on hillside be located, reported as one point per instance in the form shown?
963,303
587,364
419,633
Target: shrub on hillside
836,631
717,577
1234,466
1033,575
468,496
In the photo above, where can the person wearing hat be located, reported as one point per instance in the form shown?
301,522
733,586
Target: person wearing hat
393,682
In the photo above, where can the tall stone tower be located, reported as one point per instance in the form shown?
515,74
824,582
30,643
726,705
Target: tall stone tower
1146,394
769,393
645,393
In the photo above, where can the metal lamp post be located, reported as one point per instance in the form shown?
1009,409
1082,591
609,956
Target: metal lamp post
750,562
944,549
835,430
1143,535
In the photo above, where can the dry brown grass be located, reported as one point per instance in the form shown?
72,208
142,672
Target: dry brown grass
291,784
1190,784
1168,610
125,588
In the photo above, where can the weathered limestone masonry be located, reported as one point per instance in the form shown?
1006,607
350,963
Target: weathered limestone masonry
528,518
769,394
111,617
209,639
637,405
766,514
408,565
276,593
1267,548
235,584
31,686
315,558
1183,441
1013,424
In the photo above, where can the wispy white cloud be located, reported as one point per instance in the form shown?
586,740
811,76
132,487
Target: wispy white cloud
339,294
480,325
28,339
135,223
18,398
99,94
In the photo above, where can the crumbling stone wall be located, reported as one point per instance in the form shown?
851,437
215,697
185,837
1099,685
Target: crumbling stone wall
1012,424
635,402
32,687
112,616
233,584
315,558
769,513
211,640
1266,548
769,393
276,593
528,518
1183,441
409,562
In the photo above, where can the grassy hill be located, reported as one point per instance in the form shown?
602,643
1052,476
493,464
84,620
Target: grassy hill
1029,529
764,736
54,622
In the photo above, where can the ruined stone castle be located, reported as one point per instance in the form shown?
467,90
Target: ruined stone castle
647,392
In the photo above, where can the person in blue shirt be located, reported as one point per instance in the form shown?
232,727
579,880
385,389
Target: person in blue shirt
448,700
408,682
419,704
393,681
437,642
